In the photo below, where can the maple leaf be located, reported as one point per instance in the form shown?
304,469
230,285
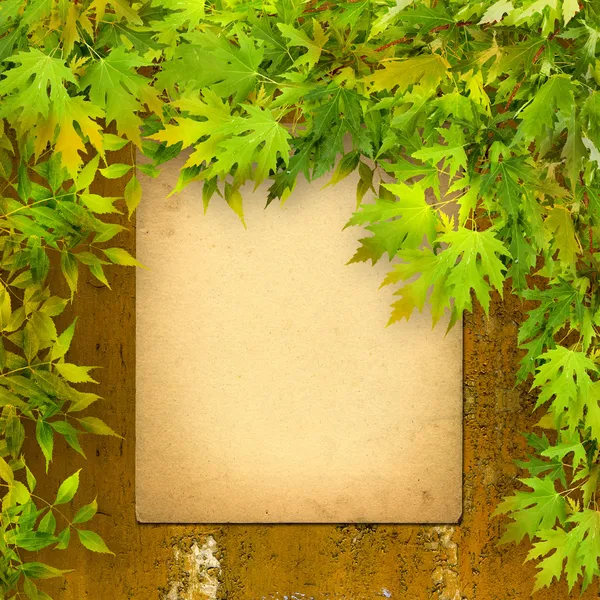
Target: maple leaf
470,261
559,223
213,112
532,511
530,11
228,69
116,87
564,378
524,256
537,466
425,18
259,138
34,87
384,21
122,8
587,532
223,140
427,71
427,287
562,546
505,181
591,407
569,442
351,12
579,546
398,224
298,37
337,113
69,142
559,303
539,116
451,155
496,11
185,12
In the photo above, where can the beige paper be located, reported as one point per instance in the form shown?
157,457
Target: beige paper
268,387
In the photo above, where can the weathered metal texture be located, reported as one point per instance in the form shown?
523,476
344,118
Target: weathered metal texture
237,562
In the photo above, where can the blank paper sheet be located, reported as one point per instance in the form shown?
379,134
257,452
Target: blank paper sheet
269,388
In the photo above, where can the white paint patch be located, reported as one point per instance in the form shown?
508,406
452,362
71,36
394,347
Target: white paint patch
202,569
445,575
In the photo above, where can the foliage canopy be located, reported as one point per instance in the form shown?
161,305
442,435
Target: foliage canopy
492,105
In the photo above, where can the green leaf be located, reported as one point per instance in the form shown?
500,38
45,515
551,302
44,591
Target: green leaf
31,481
48,523
92,541
565,547
63,538
532,511
45,439
85,513
298,37
452,155
68,489
31,343
99,204
108,232
569,442
116,86
97,426
496,11
565,379
398,224
383,22
36,86
587,532
34,540
427,71
560,224
63,343
5,308
570,9
114,142
429,285
538,117
44,327
120,256
471,263
54,306
74,373
98,272
40,264
37,570
70,270
115,171
30,589
15,435
133,194
82,401
88,173
6,472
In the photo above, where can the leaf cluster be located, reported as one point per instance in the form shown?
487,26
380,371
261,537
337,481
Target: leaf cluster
472,130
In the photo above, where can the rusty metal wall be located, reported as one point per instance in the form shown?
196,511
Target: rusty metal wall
237,562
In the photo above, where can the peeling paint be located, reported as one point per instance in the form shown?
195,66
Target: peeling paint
202,570
445,576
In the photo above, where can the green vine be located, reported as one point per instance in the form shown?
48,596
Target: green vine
488,106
